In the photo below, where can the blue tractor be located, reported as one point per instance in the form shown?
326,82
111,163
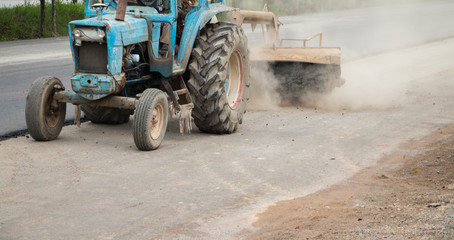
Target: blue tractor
149,58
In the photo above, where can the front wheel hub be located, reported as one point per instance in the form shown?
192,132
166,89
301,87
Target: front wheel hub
156,122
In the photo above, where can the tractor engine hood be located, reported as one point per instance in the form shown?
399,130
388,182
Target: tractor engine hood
118,33
97,50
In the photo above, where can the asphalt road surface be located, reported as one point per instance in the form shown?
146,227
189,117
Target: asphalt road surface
21,62
359,32
92,183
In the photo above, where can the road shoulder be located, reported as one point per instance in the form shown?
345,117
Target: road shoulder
407,195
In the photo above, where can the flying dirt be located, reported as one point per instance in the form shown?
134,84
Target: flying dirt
296,70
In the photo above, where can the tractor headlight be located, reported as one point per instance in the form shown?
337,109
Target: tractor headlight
101,33
89,34
76,33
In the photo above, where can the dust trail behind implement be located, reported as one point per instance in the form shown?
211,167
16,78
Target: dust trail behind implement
263,90
367,86
385,29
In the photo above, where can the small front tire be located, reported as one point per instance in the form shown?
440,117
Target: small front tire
43,114
150,119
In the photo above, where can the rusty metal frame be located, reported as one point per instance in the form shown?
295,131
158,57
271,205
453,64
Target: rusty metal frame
269,21
274,49
304,40
109,101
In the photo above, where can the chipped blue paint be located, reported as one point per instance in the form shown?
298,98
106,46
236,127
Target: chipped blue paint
156,32
90,12
88,81
76,63
118,34
94,86
73,98
195,20
135,29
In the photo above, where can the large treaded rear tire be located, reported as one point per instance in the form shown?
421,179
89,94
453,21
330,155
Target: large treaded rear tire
219,78
44,116
105,115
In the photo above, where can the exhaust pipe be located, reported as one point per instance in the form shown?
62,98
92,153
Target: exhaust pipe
121,10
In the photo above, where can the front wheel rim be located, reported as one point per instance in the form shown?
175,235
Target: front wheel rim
234,80
157,121
52,111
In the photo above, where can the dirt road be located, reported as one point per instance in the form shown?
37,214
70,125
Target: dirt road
92,183
403,197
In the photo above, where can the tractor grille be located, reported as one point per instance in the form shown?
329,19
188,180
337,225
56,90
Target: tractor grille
93,58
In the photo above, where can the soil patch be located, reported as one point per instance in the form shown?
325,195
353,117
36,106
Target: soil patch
408,195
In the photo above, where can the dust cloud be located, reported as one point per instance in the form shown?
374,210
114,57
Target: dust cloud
370,82
367,86
263,89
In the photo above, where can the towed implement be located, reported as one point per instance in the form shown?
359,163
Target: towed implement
153,58
298,69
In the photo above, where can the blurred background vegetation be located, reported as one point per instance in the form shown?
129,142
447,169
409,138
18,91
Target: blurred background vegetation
23,21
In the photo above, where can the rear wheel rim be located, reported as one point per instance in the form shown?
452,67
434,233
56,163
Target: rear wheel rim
234,80
157,121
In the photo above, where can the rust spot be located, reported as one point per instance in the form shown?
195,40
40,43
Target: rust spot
90,91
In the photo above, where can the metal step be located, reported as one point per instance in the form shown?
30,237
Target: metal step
181,92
